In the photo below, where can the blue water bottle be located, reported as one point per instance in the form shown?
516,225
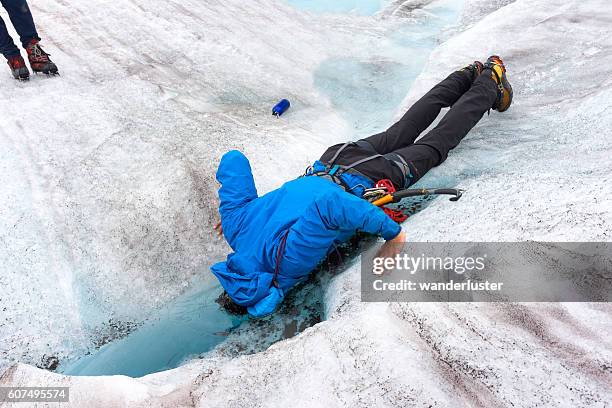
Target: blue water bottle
280,108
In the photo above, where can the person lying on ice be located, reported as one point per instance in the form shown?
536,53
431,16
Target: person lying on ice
280,237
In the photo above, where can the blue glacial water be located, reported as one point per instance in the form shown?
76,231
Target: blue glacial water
358,7
367,92
193,323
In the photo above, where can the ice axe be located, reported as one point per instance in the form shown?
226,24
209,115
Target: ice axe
400,195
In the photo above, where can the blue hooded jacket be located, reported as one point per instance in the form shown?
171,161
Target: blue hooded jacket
315,214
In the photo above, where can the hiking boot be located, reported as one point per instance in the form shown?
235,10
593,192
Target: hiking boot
18,68
474,69
39,60
504,90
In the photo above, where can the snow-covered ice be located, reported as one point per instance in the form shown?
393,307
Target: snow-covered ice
117,192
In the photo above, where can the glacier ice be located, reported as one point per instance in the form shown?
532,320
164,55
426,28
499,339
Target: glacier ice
549,153
121,186
108,173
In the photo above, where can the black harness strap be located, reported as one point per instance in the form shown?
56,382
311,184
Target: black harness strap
333,159
333,171
403,166
357,163
332,178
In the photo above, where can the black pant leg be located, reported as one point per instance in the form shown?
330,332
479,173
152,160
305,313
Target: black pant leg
421,114
463,116
418,159
432,149
7,46
21,17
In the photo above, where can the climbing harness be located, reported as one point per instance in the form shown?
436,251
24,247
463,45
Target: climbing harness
333,171
384,191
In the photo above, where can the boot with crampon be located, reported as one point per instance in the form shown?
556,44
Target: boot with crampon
474,69
504,90
39,59
18,68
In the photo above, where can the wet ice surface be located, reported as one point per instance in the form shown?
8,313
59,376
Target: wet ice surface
360,7
193,324
183,328
367,88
